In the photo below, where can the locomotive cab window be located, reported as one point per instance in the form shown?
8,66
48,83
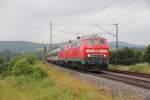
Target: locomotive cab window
92,42
101,41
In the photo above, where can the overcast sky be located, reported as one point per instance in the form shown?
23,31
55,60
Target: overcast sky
28,20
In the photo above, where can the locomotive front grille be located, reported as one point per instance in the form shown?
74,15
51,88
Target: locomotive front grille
96,59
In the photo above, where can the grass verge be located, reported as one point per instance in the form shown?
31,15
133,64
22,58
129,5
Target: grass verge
57,86
140,68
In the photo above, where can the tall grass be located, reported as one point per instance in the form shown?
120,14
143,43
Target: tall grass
57,86
30,80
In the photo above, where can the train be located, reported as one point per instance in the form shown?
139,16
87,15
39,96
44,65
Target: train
89,52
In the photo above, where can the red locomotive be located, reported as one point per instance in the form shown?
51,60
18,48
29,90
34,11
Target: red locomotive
89,52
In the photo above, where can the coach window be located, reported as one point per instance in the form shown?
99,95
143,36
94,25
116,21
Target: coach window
72,45
62,48
79,43
69,46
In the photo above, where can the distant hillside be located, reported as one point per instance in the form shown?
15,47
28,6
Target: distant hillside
23,46
18,46
125,44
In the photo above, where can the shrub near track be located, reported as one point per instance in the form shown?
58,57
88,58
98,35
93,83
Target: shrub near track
30,81
28,66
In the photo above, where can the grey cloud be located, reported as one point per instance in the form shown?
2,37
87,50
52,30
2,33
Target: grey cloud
29,19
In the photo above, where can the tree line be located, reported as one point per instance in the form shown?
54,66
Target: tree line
130,56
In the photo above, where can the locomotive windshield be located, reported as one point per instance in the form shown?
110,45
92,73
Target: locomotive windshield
101,42
96,42
92,42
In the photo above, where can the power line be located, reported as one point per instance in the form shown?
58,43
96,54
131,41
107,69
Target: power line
120,9
140,18
105,30
137,20
74,26
106,6
125,6
67,28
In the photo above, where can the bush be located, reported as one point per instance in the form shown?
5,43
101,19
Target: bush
125,56
26,66
39,73
22,67
2,60
15,60
31,59
5,69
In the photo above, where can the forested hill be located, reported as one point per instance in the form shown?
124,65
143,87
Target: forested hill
24,46
18,46
125,44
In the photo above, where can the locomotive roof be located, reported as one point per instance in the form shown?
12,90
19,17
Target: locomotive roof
92,36
83,37
89,36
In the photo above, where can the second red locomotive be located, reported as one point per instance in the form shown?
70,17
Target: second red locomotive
88,52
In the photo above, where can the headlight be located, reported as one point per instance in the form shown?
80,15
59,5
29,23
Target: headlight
89,55
104,55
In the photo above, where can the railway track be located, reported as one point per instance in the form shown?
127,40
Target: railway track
136,79
131,73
